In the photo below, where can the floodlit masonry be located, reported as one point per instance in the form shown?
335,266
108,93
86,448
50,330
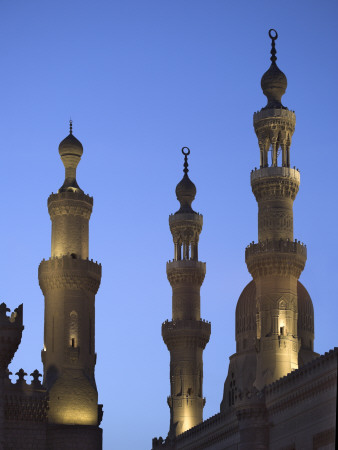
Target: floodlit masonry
279,394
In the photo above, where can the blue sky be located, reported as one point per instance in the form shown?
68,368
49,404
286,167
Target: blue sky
141,79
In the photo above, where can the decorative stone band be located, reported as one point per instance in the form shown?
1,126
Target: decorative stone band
186,271
269,186
176,401
188,332
274,113
281,258
69,273
74,203
186,220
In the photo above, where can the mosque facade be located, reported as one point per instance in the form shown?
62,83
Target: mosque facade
279,394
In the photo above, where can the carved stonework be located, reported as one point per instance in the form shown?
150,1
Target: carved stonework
69,273
275,188
70,203
186,271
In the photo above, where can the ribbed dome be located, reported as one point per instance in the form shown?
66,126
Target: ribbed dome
246,319
185,193
305,311
246,314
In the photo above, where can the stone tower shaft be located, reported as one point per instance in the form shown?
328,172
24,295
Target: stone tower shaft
276,261
186,335
69,282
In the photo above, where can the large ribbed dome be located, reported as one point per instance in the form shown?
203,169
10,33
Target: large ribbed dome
246,315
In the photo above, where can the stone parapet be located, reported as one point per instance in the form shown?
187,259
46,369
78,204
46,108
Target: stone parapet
281,258
189,218
186,331
74,203
67,272
186,271
268,172
274,113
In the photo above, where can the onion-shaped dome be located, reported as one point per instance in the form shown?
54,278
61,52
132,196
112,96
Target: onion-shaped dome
185,190
185,193
70,150
70,146
274,81
274,85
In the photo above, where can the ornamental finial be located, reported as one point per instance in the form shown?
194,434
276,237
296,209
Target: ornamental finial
185,153
273,36
70,126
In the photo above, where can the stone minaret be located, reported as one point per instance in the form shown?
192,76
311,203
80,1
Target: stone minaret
186,335
69,282
277,260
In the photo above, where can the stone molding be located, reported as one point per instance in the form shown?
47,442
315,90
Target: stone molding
187,332
69,273
186,271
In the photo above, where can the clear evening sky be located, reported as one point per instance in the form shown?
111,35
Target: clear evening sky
141,79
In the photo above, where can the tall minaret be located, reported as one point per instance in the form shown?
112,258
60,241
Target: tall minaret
277,260
187,334
69,282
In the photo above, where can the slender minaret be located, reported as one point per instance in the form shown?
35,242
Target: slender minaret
69,282
277,260
186,335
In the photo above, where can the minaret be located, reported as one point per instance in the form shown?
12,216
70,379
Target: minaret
277,260
186,335
69,282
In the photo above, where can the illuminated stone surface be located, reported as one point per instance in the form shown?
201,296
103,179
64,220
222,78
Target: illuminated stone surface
61,412
279,394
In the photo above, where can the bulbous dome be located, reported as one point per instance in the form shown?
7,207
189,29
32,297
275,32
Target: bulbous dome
185,193
274,84
70,150
70,146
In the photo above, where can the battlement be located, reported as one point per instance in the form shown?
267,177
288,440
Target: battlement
268,172
14,320
10,334
281,246
274,113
